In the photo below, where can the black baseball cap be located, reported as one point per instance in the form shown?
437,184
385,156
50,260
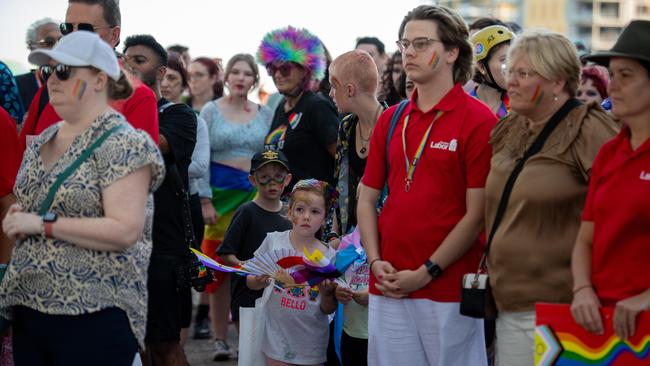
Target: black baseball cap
267,156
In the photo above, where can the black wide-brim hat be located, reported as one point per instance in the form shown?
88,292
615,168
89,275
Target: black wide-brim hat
634,42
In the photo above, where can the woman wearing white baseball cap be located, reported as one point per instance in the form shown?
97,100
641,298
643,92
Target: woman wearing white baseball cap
76,285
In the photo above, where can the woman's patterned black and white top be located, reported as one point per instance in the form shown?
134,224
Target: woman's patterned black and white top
60,278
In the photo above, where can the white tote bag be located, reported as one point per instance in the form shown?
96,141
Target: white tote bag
251,331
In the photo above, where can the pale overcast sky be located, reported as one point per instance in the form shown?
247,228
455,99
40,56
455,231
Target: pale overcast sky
220,28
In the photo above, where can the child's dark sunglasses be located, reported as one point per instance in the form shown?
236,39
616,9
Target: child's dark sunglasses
284,68
62,71
67,28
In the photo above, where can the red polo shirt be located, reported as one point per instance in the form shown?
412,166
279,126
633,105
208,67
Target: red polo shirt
10,151
457,156
618,203
141,110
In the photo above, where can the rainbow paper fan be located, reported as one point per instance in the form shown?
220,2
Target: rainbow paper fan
269,263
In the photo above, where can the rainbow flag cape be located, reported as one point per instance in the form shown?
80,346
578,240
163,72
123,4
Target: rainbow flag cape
560,341
230,189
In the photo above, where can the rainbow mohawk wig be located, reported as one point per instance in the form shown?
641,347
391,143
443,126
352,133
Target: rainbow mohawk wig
293,45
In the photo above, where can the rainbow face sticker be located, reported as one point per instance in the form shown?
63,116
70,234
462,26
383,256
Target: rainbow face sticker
79,89
537,96
435,58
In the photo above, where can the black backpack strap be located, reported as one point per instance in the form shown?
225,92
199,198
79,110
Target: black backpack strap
532,150
393,123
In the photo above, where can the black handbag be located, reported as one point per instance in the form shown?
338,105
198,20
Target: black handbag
476,295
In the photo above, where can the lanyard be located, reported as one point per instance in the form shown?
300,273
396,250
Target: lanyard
410,167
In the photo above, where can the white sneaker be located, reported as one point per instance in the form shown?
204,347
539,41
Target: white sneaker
221,351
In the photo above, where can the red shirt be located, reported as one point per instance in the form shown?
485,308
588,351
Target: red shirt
457,156
10,151
618,203
141,110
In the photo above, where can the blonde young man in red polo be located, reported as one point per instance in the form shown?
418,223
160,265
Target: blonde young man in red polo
426,237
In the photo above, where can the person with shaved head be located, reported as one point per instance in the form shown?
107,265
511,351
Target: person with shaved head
354,79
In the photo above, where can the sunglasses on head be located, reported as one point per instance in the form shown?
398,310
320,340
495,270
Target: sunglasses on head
67,28
62,71
284,68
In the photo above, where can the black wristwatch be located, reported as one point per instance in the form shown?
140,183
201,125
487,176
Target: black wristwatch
433,268
50,217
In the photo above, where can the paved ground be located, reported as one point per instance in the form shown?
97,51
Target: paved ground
199,352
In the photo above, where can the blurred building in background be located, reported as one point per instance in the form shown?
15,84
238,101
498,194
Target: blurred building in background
595,23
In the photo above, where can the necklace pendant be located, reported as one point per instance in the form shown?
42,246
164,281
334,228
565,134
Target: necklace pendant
363,150
407,186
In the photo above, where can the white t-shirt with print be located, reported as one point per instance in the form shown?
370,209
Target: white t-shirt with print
296,330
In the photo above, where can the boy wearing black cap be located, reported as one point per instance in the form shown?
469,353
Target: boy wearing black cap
253,220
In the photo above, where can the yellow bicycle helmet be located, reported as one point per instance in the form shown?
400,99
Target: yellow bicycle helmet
489,37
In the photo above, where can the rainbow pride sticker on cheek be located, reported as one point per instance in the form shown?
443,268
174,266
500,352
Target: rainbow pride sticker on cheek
537,96
435,58
79,89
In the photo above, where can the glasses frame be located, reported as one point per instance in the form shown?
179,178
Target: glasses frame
285,68
420,44
521,74
63,72
63,27
47,42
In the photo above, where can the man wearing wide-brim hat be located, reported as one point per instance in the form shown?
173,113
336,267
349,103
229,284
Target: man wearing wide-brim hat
611,256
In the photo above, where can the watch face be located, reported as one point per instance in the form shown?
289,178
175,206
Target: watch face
49,217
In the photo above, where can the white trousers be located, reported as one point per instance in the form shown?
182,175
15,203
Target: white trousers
515,339
420,332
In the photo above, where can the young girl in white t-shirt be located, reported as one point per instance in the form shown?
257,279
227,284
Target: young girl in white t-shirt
297,328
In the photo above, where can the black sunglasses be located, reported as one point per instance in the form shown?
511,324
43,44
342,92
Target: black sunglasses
62,71
67,28
284,68
48,42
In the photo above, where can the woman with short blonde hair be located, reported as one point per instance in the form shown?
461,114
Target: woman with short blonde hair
551,55
530,253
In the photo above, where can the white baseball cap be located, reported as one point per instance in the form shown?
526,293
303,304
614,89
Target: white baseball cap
80,48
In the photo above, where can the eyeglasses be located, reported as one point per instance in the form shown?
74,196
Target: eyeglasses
266,179
521,74
284,68
62,71
420,44
47,42
67,28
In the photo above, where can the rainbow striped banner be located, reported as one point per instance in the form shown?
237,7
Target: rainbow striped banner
560,341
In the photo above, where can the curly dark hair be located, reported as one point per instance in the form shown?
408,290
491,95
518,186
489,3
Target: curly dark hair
389,92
